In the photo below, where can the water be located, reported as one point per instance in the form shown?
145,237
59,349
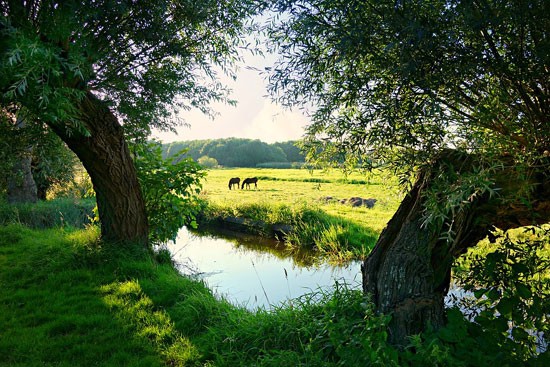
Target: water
254,272
259,273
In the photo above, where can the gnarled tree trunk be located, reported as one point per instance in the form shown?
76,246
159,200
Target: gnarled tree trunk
408,272
107,160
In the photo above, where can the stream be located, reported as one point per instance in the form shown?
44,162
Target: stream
255,272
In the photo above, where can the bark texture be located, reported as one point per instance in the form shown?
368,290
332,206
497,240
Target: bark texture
408,272
107,160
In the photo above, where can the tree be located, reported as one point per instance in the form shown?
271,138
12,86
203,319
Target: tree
46,159
17,157
83,68
53,164
207,162
454,92
292,152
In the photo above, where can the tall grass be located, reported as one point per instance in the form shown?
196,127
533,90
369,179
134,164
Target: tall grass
318,329
59,212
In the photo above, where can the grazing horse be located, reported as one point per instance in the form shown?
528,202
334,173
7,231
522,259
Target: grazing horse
248,181
234,181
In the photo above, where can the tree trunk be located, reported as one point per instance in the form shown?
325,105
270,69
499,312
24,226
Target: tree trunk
106,157
21,185
408,272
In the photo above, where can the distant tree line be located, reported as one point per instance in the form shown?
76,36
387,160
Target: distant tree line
237,152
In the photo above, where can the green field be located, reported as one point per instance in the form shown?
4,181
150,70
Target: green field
298,195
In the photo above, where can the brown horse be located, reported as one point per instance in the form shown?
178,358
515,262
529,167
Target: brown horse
234,181
248,181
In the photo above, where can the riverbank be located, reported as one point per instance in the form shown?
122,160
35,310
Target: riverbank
67,299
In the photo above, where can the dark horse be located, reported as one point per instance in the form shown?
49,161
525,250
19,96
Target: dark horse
248,181
234,181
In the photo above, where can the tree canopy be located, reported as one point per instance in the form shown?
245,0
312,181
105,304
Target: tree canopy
398,81
455,92
236,152
146,59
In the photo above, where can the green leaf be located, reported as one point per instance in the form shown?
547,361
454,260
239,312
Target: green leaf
478,293
524,291
507,305
493,294
519,334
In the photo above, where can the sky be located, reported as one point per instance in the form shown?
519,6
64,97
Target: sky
254,117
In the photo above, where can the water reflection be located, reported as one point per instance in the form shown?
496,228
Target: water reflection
256,272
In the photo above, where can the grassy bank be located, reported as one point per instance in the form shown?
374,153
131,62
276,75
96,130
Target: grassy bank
298,197
68,300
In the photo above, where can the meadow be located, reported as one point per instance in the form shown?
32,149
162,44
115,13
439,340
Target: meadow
300,197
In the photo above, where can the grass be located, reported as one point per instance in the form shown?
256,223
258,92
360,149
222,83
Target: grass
46,214
67,299
298,197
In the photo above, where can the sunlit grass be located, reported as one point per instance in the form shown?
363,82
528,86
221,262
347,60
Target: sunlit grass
299,197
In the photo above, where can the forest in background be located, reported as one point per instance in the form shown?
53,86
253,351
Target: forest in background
238,152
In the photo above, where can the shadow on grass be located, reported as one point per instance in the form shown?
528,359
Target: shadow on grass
66,302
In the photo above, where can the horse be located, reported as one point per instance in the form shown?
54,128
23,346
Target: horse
234,181
248,181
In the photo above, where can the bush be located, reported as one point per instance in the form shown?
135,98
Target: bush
207,162
276,165
170,188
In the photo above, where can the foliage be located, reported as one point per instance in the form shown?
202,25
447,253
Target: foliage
291,150
465,343
397,82
170,190
511,289
234,152
80,187
207,162
403,83
52,162
81,66
146,59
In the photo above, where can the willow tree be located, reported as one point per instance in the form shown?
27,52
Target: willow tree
95,70
456,92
